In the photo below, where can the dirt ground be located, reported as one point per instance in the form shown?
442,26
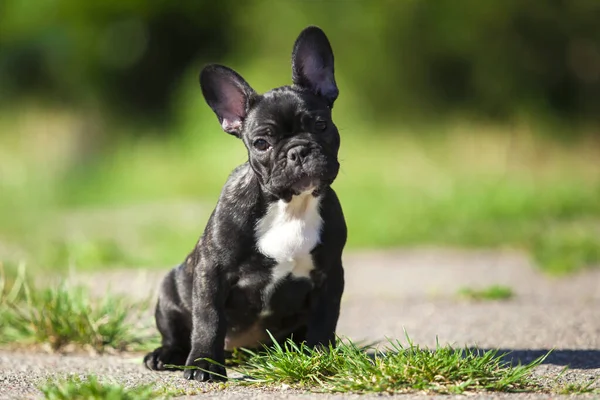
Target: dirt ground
387,293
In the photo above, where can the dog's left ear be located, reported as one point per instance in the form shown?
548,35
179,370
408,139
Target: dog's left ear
312,64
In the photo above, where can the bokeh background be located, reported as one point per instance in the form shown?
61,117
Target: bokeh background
464,124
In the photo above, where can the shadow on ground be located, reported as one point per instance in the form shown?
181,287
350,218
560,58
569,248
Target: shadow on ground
577,359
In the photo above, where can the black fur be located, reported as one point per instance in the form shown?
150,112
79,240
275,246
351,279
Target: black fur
202,301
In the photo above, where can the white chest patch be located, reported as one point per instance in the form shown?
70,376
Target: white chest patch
287,233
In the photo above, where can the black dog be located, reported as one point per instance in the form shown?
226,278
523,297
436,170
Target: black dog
271,255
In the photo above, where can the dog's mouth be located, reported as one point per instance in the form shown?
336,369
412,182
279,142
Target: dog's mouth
311,183
305,184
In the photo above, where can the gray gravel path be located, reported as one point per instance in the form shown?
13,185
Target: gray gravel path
387,292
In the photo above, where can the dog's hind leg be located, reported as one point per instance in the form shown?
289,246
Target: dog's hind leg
174,324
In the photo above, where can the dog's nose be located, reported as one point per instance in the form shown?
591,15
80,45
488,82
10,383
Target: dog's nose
297,154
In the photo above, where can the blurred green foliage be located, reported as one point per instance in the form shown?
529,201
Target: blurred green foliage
121,56
412,58
146,202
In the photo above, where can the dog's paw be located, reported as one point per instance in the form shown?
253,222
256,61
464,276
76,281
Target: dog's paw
162,356
205,372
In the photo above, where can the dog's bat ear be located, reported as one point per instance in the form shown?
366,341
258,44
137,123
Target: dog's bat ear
228,94
312,64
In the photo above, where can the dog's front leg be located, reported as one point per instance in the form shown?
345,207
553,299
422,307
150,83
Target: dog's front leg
326,308
208,325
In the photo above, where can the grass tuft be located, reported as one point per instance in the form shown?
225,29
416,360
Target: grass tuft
65,315
352,368
491,293
75,388
579,388
561,250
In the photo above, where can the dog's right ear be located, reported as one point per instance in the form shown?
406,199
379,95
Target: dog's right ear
228,94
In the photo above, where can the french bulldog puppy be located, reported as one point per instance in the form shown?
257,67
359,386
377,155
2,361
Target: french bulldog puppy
270,258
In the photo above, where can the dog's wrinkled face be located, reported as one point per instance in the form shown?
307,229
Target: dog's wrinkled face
291,139
292,142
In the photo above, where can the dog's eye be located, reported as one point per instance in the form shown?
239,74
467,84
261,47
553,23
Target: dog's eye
261,144
321,125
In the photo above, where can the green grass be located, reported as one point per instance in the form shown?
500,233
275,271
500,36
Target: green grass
495,292
559,250
65,315
349,367
85,254
91,388
457,185
579,388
